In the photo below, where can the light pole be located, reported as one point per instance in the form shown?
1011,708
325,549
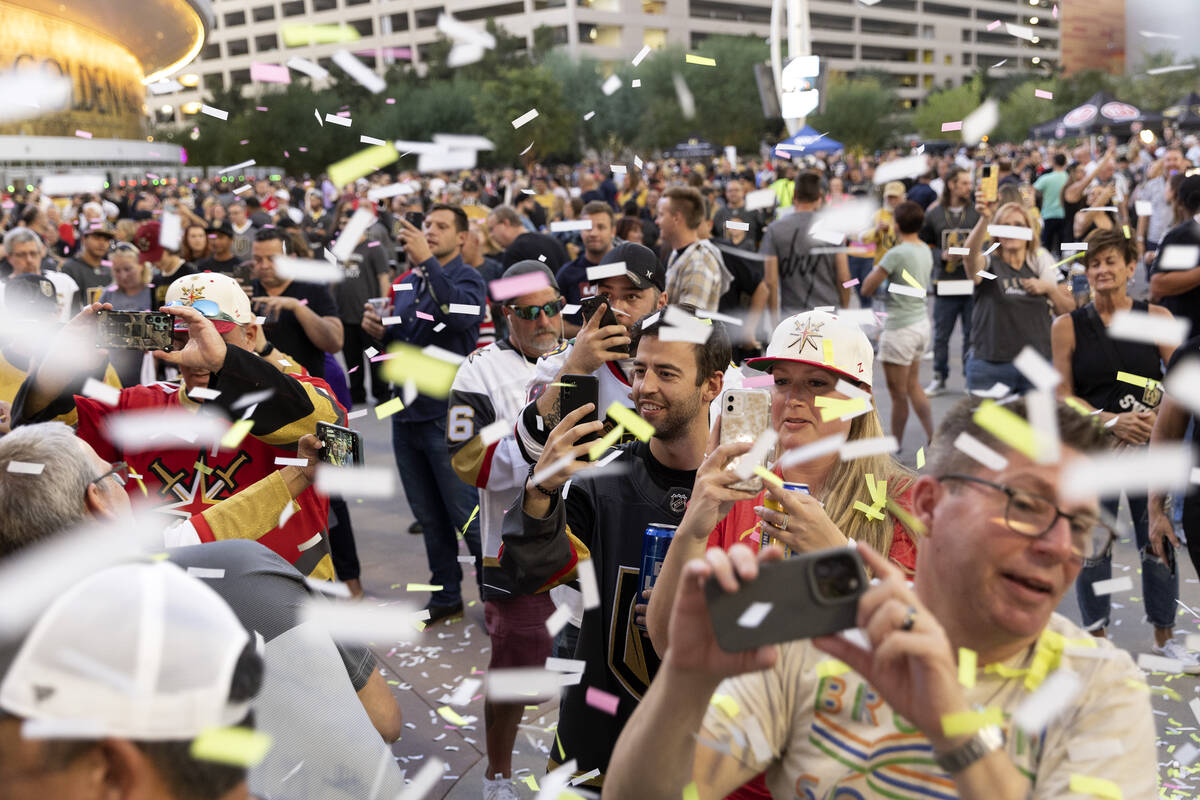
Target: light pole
794,79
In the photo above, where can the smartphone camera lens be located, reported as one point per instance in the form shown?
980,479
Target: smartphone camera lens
836,577
730,408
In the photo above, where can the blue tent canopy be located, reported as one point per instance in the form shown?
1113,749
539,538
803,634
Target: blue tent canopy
805,141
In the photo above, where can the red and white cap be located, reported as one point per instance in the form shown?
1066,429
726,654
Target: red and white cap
823,340
138,651
217,296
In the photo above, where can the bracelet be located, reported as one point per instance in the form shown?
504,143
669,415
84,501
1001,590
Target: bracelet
538,486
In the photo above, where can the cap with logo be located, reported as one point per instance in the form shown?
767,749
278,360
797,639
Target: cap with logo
216,295
147,242
823,340
893,189
642,267
163,674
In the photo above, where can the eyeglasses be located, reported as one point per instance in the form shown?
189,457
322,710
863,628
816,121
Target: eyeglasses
207,308
119,471
530,313
1033,516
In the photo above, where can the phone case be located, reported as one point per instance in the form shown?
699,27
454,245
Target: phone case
578,391
988,183
588,307
750,416
135,330
802,604
342,446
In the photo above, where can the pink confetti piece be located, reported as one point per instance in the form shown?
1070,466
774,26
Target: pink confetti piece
423,315
391,101
352,370
303,149
598,698
994,24
1042,93
383,357
759,382
286,154
505,288
244,141
952,126
1054,11
84,134
269,73
849,283
372,244
261,108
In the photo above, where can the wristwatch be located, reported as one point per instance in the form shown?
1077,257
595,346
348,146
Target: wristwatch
985,740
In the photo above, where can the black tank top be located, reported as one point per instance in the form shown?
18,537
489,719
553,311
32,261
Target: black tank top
1097,360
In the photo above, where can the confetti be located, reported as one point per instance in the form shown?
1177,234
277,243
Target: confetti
1096,787
236,433
1043,94
1040,372
281,461
1165,467
507,288
65,185
962,723
611,84
645,51
598,698
25,468
307,67
269,73
902,168
523,684
338,119
83,134
965,287
636,83
1175,68
920,458
601,445
838,408
560,617
1019,31
831,668
813,450
358,623
361,73
633,423
754,614
356,481
1179,256
967,665
362,163
571,225
432,376
528,116
734,225
981,121
238,747
588,115
424,781
1112,586
98,390
463,33
1010,232
308,270
588,587
1048,701
979,451
910,291
868,447
1139,326
702,61
206,573
214,112
951,126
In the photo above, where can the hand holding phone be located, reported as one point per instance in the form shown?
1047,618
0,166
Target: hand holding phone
600,339
135,330
576,392
745,414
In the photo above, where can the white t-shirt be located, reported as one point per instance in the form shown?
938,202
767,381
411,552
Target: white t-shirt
834,737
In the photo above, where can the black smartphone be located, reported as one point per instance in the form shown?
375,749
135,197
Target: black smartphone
588,307
577,391
810,594
416,219
135,330
342,447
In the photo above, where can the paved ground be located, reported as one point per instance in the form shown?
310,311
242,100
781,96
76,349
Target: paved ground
421,673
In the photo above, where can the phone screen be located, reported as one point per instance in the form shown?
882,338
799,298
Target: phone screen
342,447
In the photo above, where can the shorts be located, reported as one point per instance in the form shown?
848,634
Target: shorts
904,345
518,626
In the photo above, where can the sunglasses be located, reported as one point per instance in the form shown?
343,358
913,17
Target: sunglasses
530,313
206,307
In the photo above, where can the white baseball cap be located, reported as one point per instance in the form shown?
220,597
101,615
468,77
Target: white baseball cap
138,651
823,340
217,296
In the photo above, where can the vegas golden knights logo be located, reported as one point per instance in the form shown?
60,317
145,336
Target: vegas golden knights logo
631,657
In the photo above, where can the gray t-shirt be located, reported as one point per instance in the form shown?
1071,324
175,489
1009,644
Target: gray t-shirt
1005,317
917,260
806,279
125,302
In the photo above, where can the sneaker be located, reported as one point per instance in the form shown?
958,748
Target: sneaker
936,387
416,528
1173,649
437,613
499,789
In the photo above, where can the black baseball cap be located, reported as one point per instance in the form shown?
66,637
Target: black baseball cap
224,227
642,267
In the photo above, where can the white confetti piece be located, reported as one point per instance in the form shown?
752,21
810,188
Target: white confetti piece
945,288
734,225
308,270
1019,31
495,432
1174,68
911,291
1112,586
465,691
588,115
362,412
1138,326
358,623
64,729
528,116
1152,663
424,781
236,167
1040,372
612,84
754,614
65,185
523,684
958,251
979,451
583,778
283,461
310,69
868,447
1163,467
25,468
364,139
337,119
1042,94
909,167
154,429
588,587
203,393
687,101
756,738
356,481
389,321
1144,208
565,664
206,572
813,450
983,273
1010,232
951,126
213,112
762,447
980,122
556,621
1048,701
571,225
617,169
243,189
360,72
348,239
1179,256
641,54
602,271
464,308
33,92
98,390
459,31
309,543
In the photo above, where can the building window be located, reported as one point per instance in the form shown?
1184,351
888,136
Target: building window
902,5
558,34
927,32
948,60
967,59
357,2
888,27
235,18
293,8
211,51
598,5
654,38
966,34
603,35
840,50
949,11
263,13
398,22
734,12
365,27
540,5
266,42
927,82
698,39
427,17
486,12
214,81
239,77
926,56
237,47
983,37
907,81
324,5
654,7
871,53
829,22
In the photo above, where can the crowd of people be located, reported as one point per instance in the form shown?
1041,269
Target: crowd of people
590,322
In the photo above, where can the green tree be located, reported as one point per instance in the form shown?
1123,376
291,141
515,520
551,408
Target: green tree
512,93
857,113
947,105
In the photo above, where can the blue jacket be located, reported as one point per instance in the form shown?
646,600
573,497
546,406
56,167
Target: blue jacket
455,282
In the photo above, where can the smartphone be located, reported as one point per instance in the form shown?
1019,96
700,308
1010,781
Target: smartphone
745,413
379,305
416,219
578,391
811,594
135,330
588,307
988,182
342,447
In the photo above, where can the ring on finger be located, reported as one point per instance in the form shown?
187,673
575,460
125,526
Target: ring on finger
910,619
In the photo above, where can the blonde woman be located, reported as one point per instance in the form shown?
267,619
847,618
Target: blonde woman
1014,300
718,516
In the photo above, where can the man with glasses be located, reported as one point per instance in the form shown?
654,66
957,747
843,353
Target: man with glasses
489,389
938,701
215,332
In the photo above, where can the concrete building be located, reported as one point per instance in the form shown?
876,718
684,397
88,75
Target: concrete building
925,44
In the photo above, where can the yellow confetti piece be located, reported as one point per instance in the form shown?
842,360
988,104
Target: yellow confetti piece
831,667
1008,427
1097,787
298,34
690,792
531,782
432,376
632,422
827,345
141,485
562,757
871,511
912,523
836,407
967,664
1047,656
1125,229
236,433
727,704
422,587
1129,377
608,441
159,557
921,458
1073,402
703,61
362,163
470,519
238,747
1005,671
203,470
962,723
878,491
450,715
910,280
389,407
768,476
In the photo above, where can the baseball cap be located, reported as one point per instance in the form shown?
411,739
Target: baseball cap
530,265
104,228
147,242
823,340
642,267
30,293
893,189
163,674
216,295
224,227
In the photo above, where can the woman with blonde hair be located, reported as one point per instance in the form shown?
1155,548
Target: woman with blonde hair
1014,300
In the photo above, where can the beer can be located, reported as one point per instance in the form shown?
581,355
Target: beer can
766,540
655,542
